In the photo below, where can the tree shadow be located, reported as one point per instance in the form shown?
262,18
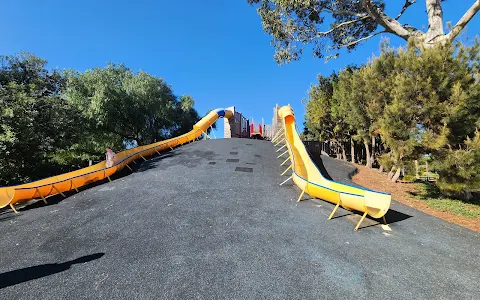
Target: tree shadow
151,163
6,215
317,160
429,190
30,273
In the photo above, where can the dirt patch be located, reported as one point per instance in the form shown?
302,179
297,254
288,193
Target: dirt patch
401,192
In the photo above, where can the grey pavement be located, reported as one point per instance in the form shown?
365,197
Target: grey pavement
187,225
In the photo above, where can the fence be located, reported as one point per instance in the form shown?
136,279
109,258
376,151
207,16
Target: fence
315,148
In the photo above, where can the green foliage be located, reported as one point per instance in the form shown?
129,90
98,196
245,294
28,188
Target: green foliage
418,103
137,107
433,196
35,121
293,24
459,169
328,26
320,120
52,123
409,178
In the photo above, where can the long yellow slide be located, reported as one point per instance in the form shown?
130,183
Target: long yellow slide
311,181
73,180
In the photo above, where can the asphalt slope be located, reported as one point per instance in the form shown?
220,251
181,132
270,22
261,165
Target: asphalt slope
188,226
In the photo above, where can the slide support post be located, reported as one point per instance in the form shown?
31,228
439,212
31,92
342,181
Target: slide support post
13,208
303,192
206,135
279,134
283,140
211,130
291,177
278,150
41,195
289,167
282,154
361,220
285,161
74,186
58,191
336,207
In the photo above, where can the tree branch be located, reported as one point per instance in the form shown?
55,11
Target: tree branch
342,24
404,8
362,39
435,20
464,20
390,25
344,12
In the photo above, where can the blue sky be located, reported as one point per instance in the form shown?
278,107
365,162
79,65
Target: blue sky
214,50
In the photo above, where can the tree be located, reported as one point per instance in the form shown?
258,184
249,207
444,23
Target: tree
35,122
459,169
294,24
323,118
350,94
318,114
187,115
138,107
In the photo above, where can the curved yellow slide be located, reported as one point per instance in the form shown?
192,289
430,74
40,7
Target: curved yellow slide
73,180
311,181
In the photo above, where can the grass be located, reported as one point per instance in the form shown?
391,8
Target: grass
429,193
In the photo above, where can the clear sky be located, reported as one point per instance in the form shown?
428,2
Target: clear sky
213,50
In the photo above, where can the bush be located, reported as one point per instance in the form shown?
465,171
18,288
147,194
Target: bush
459,169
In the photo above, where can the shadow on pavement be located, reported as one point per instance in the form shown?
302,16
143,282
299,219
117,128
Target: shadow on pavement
317,160
393,216
150,163
26,274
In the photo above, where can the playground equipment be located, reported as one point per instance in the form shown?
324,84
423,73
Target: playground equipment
73,180
256,130
311,181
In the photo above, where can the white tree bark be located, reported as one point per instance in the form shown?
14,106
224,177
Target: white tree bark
463,21
435,21
435,34
397,174
390,174
352,150
372,159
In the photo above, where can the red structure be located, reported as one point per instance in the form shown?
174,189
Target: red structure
256,131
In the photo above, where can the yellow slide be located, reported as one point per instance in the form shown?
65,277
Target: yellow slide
309,179
73,180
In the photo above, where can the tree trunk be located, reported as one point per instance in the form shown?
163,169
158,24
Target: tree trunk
416,169
390,174
359,155
467,195
372,159
381,169
397,174
435,22
352,150
367,151
344,155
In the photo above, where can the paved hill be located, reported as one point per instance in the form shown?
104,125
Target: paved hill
209,221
